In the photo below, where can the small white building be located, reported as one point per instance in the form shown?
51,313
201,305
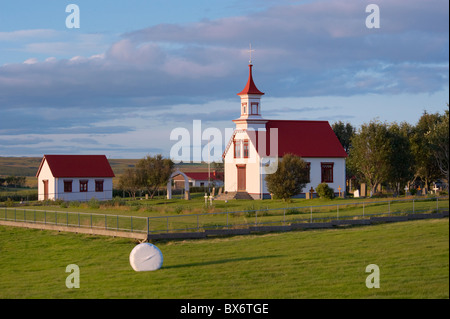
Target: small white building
75,177
199,179
257,144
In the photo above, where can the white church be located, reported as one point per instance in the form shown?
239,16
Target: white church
257,143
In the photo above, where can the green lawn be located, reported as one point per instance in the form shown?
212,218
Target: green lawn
413,258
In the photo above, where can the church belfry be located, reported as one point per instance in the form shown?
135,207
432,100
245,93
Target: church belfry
250,99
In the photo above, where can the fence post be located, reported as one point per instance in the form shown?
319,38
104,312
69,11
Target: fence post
284,216
197,224
256,218
227,220
106,223
363,208
131,223
167,223
413,205
437,205
389,207
311,213
148,226
67,218
117,217
337,206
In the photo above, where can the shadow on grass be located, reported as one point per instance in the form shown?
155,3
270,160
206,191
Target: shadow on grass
221,261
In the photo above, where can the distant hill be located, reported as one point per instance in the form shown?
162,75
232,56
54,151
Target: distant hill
19,166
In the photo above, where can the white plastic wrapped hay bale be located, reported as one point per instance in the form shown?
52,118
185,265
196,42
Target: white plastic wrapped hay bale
146,257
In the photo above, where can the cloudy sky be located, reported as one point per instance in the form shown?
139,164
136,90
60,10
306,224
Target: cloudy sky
136,70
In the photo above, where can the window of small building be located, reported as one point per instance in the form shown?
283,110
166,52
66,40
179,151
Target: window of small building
67,186
83,186
99,185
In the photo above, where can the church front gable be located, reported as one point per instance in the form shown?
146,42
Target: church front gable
241,164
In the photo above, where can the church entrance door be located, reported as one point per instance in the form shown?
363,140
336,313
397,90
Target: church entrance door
241,172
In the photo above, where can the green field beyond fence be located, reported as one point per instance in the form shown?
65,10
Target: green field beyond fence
226,220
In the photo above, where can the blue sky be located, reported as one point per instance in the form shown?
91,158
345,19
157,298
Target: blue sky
136,70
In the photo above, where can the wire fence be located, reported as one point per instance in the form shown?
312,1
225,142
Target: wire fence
227,220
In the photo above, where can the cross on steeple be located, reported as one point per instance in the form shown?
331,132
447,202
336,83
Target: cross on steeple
250,51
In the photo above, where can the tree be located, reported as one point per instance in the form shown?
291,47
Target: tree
438,138
289,179
344,133
370,154
130,182
154,172
401,159
425,166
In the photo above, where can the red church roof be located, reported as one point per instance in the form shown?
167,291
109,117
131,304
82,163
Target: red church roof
305,138
77,166
301,138
250,88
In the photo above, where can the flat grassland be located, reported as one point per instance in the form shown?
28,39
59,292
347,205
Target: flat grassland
413,258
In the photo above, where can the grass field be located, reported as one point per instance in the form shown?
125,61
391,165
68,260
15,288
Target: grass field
413,258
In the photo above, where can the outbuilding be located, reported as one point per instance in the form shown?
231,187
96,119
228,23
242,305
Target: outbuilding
75,177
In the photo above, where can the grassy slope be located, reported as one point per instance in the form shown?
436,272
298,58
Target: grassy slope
413,258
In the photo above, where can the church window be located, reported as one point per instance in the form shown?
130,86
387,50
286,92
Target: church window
244,108
237,148
254,109
308,171
327,172
245,148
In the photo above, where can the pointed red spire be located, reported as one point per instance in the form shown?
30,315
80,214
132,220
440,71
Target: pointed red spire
250,88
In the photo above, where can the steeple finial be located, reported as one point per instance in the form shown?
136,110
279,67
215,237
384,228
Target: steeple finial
250,51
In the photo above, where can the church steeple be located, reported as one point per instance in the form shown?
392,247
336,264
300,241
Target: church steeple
250,98
250,88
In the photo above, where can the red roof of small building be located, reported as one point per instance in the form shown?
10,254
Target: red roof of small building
77,166
250,88
305,138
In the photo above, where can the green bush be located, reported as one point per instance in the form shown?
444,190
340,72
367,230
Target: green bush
94,203
325,191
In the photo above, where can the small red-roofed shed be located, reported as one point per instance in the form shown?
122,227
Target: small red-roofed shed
75,177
